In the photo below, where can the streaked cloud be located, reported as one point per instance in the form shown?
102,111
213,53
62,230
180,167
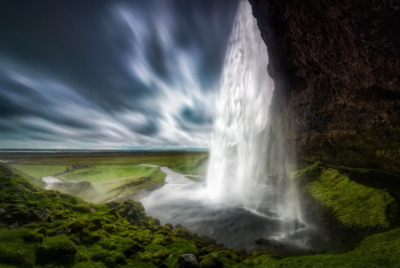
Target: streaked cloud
111,74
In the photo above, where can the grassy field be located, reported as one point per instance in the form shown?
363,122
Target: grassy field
39,170
183,162
103,173
112,176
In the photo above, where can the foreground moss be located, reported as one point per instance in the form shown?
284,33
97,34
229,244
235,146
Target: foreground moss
44,228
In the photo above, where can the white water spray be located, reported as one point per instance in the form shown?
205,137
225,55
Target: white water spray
248,168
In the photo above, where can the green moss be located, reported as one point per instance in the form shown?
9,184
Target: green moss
333,261
353,204
16,252
384,245
59,249
109,258
81,208
89,265
103,240
260,259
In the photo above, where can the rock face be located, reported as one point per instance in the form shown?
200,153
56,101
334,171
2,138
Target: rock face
336,66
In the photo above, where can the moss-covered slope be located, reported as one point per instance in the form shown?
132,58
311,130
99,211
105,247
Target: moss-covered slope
42,228
48,228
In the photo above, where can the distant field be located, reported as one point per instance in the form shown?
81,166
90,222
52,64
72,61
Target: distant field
103,173
112,176
39,170
184,162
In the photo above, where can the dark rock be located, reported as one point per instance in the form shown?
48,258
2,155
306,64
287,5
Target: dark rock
131,251
112,204
159,263
41,214
170,226
76,227
133,211
97,222
336,68
187,261
42,230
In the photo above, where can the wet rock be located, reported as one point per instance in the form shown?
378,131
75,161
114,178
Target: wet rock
187,261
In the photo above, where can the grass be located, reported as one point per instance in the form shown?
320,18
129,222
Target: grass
39,170
183,162
353,204
102,173
116,181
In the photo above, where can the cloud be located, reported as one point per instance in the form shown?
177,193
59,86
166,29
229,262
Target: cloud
118,74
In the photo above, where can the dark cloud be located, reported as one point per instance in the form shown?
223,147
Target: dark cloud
113,73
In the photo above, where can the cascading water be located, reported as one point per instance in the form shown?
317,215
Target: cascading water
248,193
249,165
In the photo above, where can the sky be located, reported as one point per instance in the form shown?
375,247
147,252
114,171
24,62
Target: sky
111,74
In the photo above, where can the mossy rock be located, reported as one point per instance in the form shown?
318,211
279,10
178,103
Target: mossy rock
209,261
354,205
56,250
16,253
81,208
109,258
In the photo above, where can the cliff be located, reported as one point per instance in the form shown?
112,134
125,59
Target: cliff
336,66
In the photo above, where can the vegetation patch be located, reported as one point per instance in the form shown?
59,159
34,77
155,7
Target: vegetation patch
39,170
353,204
68,232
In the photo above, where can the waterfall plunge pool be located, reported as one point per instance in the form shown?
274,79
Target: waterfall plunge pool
183,201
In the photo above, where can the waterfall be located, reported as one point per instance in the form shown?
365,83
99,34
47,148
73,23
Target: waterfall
250,164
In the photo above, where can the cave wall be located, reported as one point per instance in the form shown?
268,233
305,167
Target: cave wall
336,66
